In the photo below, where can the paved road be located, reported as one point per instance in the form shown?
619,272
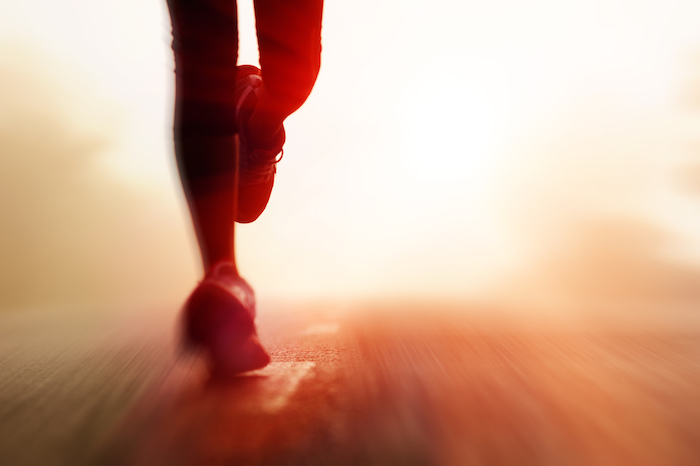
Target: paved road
347,387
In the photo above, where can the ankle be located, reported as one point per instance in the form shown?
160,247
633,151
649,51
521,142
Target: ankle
222,268
265,125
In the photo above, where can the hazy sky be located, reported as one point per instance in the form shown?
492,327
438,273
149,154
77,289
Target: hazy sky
452,149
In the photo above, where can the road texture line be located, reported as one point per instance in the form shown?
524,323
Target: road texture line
321,329
282,380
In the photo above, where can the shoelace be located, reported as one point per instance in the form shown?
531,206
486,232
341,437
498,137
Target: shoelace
259,167
256,166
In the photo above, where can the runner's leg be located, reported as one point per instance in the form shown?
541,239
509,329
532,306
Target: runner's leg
219,314
289,40
205,42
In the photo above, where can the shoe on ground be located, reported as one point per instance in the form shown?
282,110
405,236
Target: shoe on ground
219,318
257,165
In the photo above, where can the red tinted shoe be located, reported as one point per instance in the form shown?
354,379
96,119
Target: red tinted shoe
219,318
257,165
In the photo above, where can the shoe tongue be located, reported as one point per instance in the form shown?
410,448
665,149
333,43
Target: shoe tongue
275,144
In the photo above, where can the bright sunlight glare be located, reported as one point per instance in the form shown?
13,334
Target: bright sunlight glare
452,114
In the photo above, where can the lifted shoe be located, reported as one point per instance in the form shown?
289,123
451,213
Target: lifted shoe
257,166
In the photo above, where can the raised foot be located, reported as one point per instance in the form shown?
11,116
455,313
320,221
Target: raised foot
258,158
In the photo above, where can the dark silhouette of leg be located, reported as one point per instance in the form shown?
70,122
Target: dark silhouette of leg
218,317
289,40
219,314
205,42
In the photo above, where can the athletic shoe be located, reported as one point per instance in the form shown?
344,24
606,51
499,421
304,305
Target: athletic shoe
257,166
218,318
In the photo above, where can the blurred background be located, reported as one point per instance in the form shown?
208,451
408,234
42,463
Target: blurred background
540,157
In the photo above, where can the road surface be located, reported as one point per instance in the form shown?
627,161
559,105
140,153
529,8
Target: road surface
347,386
